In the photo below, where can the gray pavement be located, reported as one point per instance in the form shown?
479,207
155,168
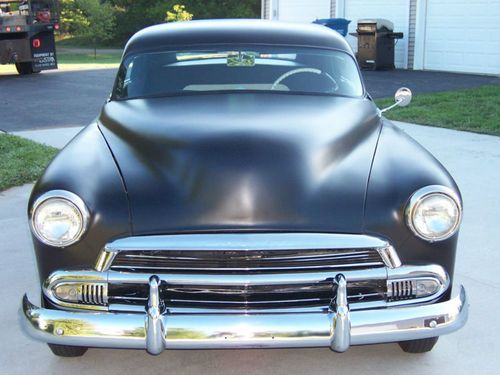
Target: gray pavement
55,99
56,137
384,83
473,159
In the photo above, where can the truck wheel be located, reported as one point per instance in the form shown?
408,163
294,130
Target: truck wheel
418,346
24,68
67,351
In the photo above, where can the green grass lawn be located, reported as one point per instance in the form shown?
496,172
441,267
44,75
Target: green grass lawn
22,161
476,110
79,42
88,58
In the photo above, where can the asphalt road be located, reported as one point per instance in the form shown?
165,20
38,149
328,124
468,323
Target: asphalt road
55,99
473,159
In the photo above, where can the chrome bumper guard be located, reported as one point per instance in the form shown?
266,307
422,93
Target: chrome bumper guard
157,329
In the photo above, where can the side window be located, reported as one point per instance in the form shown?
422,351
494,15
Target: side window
123,80
120,92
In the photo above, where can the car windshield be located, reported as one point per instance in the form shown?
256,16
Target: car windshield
252,68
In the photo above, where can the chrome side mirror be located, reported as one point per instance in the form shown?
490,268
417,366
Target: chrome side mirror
402,98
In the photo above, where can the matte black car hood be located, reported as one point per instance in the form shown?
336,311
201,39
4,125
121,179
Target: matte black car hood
243,161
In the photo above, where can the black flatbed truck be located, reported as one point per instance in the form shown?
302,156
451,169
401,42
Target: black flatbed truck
27,34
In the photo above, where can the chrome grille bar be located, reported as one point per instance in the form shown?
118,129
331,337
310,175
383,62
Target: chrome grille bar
267,249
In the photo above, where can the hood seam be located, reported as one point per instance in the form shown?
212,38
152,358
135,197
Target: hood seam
130,224
381,126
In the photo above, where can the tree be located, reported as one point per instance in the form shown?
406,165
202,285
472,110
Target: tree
133,15
99,22
178,13
129,16
71,17
205,9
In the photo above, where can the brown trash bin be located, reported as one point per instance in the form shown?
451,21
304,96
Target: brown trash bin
376,43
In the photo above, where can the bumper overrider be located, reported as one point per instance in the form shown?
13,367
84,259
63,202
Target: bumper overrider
252,290
157,329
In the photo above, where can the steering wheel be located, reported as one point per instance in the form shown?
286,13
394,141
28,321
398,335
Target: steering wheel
304,70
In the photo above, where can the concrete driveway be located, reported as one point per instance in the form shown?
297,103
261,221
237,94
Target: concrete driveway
473,159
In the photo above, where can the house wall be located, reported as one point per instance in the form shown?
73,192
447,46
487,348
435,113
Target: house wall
299,10
264,10
411,32
448,35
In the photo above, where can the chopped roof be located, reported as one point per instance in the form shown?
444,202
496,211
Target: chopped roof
235,31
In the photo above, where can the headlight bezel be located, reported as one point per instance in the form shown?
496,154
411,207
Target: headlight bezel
73,200
426,192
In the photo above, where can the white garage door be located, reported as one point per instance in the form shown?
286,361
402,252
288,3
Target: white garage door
302,10
396,11
463,36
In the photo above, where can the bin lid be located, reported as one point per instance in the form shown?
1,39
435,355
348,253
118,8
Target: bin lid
332,21
381,22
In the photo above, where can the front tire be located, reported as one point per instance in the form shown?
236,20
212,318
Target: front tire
67,351
418,346
24,68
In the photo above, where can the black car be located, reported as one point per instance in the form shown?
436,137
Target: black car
240,189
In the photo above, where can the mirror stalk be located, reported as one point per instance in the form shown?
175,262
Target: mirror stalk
402,98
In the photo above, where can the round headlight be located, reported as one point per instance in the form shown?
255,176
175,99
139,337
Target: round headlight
59,218
434,213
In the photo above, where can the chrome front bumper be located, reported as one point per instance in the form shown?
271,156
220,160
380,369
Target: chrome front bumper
157,329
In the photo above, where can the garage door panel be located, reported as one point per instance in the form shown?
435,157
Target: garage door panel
303,11
462,36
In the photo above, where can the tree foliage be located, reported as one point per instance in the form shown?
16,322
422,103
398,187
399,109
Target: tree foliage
129,16
99,21
178,13
205,9
72,18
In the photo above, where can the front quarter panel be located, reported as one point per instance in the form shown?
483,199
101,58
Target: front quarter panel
400,167
84,167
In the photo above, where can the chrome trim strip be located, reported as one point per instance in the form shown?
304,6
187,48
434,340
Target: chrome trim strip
389,256
241,269
104,260
246,279
122,330
247,241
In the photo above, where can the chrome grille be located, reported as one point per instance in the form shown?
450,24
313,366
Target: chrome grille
247,261
188,264
248,297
